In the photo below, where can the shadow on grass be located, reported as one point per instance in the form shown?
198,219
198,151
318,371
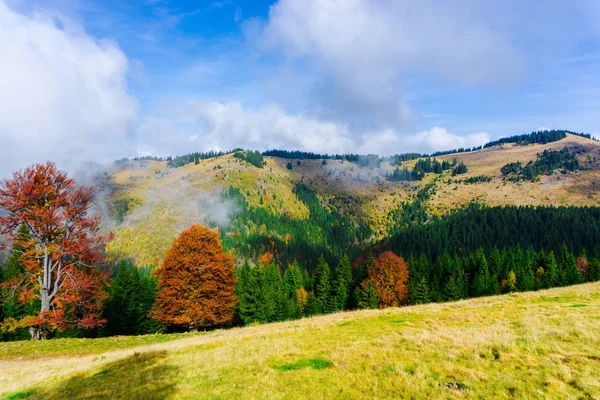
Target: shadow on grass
140,376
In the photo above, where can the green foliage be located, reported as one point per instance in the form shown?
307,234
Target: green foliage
547,162
251,157
461,168
342,284
535,137
464,231
132,295
322,287
180,161
330,232
366,298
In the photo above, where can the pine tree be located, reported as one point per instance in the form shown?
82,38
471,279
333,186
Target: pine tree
131,299
367,297
419,294
274,307
312,305
551,275
568,266
594,267
484,283
496,262
342,284
322,286
455,288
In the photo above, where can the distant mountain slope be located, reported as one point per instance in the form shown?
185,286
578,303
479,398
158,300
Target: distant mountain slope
149,203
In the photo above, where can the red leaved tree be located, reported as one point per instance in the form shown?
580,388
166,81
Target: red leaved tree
61,252
196,282
389,274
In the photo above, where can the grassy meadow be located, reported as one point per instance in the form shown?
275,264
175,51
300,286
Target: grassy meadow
529,345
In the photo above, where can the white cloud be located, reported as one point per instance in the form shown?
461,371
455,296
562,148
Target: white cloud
210,125
360,48
438,138
63,94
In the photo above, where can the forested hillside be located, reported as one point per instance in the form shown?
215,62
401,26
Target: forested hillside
305,234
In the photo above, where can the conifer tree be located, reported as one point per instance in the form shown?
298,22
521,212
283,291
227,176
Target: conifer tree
322,286
594,267
419,294
455,288
496,262
484,283
568,266
343,283
551,275
367,297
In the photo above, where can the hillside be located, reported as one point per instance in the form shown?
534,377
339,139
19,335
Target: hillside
151,202
527,345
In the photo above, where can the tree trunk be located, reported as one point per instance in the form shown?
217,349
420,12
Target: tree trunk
38,332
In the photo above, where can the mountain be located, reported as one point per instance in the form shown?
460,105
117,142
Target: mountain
339,201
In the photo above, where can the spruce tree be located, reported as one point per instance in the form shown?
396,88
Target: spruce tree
419,292
342,284
568,266
551,275
455,288
322,286
367,297
594,267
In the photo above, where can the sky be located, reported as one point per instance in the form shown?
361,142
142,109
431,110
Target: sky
98,80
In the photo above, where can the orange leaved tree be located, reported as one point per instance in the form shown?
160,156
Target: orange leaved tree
60,250
389,274
196,282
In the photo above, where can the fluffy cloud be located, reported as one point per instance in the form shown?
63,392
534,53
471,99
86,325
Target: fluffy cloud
437,139
210,125
63,94
360,48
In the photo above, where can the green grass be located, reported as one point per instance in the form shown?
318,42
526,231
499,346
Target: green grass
531,345
28,350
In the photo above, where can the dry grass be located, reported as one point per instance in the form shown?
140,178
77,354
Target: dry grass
533,345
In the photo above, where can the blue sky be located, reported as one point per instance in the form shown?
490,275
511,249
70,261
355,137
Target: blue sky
105,79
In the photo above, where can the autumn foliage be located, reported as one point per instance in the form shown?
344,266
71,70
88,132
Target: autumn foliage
389,274
196,282
61,249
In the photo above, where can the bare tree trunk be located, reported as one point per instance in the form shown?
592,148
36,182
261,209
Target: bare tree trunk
38,332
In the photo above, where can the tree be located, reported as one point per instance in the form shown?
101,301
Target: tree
420,292
551,277
455,288
196,282
343,283
322,286
366,297
389,275
63,249
570,275
131,299
484,283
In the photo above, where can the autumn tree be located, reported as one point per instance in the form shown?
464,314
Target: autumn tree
60,252
196,282
389,275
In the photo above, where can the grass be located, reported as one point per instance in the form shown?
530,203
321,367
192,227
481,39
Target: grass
531,345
